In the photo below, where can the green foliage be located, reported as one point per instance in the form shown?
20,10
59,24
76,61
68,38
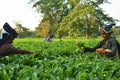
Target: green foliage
43,29
0,30
23,31
59,60
72,18
116,31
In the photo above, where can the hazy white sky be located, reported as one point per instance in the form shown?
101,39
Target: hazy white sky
113,9
20,10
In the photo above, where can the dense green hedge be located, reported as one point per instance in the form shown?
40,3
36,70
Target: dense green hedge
59,60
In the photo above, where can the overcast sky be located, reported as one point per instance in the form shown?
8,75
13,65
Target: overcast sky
20,10
113,9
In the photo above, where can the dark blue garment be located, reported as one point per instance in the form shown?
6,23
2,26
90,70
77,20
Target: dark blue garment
111,44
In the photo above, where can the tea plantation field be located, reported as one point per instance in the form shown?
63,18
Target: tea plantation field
58,60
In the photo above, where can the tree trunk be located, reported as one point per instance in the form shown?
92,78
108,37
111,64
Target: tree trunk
86,34
87,31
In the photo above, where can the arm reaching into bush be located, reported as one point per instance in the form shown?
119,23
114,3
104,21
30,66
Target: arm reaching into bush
107,46
6,47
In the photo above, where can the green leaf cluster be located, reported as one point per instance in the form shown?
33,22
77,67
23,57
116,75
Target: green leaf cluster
59,61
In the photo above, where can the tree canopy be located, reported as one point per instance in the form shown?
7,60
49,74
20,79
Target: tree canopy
71,18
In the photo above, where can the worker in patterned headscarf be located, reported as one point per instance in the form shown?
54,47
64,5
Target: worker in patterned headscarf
8,34
109,45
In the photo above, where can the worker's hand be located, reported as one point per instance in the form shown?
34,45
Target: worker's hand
80,45
101,51
87,49
36,53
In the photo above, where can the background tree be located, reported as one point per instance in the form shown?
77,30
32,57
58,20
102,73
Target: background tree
116,31
42,29
23,31
53,11
72,18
